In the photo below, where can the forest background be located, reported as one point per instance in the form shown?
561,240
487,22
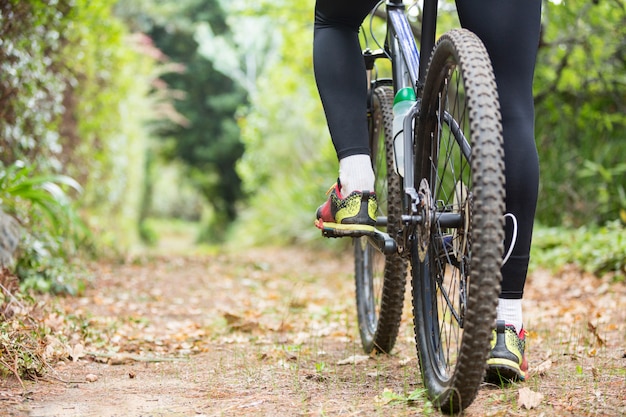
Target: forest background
119,117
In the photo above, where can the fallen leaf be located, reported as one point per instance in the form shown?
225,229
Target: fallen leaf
543,367
317,377
76,352
241,324
405,361
91,377
247,326
529,399
595,372
54,321
231,318
354,359
594,330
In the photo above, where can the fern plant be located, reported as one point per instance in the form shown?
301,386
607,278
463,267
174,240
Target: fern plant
49,227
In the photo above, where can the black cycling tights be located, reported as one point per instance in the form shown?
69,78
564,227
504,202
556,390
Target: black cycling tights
510,31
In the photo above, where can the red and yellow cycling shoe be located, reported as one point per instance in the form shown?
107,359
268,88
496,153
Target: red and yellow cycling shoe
355,213
507,362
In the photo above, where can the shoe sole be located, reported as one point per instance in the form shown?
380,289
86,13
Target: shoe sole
342,229
504,370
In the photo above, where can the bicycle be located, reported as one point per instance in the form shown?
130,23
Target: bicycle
445,216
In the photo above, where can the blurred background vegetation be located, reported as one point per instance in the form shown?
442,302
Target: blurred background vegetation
114,114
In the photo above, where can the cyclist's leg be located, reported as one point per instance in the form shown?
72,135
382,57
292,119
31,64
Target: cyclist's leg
341,81
510,31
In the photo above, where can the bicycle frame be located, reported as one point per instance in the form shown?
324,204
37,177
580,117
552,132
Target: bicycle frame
401,42
410,71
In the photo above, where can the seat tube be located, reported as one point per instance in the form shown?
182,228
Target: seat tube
429,27
400,78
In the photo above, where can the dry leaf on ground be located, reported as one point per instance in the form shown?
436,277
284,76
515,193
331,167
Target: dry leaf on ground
354,359
91,377
543,367
528,398
76,352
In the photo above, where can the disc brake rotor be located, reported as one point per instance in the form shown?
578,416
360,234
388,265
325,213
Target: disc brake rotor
460,205
423,229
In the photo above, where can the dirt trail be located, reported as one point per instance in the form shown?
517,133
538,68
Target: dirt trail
272,332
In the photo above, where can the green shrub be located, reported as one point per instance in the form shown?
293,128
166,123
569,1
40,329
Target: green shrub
50,227
595,249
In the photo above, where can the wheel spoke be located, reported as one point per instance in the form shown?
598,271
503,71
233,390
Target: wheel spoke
460,156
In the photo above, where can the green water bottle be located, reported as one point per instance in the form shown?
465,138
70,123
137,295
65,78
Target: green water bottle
405,98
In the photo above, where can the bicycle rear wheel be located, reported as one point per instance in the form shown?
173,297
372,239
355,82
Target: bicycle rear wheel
380,280
457,258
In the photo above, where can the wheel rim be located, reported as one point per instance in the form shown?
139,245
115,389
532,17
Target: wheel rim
446,268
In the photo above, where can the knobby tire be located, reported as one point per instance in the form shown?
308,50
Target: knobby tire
457,282
380,280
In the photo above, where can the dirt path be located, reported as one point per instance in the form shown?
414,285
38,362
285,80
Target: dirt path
272,332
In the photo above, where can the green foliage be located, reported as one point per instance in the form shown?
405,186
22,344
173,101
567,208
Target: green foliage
610,195
581,112
31,91
289,161
207,139
27,195
70,78
45,266
73,107
390,398
109,75
598,250
50,227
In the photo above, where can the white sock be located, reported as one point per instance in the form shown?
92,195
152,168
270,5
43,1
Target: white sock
356,174
511,312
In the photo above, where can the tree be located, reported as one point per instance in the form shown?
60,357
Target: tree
580,96
209,142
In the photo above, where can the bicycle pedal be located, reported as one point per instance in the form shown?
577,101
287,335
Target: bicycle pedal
339,233
380,240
